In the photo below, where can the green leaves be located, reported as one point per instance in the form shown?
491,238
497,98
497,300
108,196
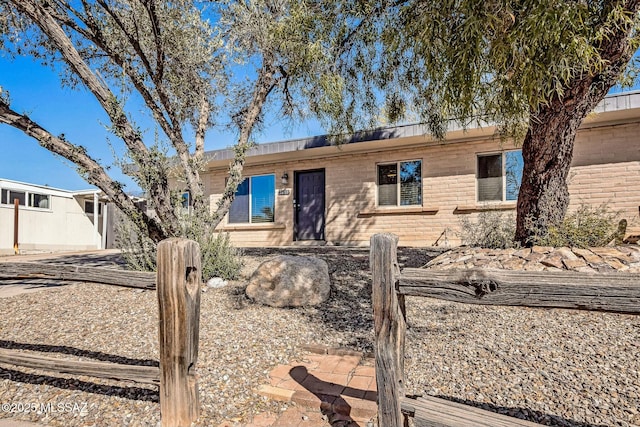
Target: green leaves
499,58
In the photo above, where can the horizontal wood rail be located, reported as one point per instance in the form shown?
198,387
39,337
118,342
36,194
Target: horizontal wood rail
613,292
436,412
179,278
105,276
114,371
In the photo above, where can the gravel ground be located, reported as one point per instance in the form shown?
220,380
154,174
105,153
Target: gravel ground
555,367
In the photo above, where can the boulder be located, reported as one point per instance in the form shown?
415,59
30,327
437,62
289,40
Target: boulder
217,282
290,281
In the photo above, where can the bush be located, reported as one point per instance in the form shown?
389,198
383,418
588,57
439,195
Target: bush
493,230
587,227
219,257
138,250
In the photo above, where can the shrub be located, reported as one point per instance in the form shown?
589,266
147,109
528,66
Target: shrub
588,226
219,257
493,230
138,250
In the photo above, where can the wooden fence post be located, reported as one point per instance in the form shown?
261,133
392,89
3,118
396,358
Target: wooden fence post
390,329
178,284
16,247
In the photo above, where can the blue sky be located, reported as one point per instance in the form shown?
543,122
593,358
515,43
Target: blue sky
36,91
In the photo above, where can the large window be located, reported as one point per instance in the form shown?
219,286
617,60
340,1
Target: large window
254,201
400,184
499,176
33,200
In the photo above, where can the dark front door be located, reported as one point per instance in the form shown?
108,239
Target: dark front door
309,205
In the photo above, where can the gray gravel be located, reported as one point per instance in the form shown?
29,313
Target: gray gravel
556,367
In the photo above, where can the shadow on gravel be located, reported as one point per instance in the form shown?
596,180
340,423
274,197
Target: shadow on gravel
88,260
348,309
72,351
523,414
131,393
32,283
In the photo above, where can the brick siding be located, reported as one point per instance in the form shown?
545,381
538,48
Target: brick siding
605,169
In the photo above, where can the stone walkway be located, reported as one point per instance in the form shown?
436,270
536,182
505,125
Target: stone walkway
327,387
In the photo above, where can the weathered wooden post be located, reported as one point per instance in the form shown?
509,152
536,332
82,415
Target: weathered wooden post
178,282
390,329
16,203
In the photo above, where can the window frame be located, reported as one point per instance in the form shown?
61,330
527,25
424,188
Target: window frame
94,208
28,198
250,201
503,165
398,204
31,200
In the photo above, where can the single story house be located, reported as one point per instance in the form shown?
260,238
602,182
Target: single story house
51,219
403,181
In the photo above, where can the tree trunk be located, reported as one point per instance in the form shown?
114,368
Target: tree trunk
544,196
548,146
547,152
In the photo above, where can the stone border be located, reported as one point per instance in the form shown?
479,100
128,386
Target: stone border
542,258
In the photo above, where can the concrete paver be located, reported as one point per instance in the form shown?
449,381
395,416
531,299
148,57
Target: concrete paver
333,383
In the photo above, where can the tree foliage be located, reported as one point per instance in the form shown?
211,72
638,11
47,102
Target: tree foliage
534,68
163,52
192,65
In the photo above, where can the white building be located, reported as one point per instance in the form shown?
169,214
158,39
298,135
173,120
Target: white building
51,219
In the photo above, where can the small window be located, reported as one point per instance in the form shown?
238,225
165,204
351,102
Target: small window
499,176
405,191
89,208
40,201
8,197
185,199
254,201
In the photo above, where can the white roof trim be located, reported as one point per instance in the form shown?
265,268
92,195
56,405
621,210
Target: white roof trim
35,188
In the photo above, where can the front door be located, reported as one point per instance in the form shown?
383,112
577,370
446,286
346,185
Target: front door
309,205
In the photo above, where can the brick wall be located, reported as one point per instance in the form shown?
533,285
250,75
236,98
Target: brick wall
605,169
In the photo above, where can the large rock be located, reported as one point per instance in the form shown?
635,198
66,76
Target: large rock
290,281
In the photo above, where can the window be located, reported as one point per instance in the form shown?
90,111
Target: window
39,200
406,191
89,208
254,201
185,199
33,200
8,197
499,176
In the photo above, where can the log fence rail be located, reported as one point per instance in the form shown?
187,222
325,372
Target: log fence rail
178,280
612,292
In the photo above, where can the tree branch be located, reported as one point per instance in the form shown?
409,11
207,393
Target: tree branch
170,124
92,170
158,191
266,82
201,129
